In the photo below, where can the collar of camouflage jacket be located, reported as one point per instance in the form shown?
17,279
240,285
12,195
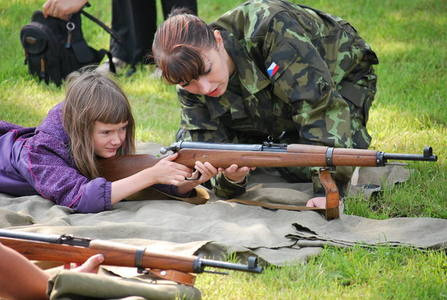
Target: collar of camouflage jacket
252,78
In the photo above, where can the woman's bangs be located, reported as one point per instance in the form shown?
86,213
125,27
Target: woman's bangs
184,65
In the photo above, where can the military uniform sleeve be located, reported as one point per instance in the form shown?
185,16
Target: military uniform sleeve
227,189
55,179
303,81
197,123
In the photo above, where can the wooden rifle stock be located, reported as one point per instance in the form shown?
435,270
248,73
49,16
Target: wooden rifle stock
264,155
68,249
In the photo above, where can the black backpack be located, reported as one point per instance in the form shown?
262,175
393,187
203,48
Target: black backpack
54,47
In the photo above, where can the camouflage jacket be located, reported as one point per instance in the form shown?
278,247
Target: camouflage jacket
298,70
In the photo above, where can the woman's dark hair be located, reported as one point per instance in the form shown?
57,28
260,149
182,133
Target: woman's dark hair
178,44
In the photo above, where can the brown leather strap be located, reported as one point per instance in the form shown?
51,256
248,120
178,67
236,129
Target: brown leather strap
201,196
275,206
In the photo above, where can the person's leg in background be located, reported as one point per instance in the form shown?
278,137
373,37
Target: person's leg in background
135,22
168,5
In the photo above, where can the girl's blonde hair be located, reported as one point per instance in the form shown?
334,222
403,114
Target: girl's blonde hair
92,97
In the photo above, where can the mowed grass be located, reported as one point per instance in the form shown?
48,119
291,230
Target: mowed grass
410,112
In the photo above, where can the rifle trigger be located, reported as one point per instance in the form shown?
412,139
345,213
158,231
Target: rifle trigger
195,175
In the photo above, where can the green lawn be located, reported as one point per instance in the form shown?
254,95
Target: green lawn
410,111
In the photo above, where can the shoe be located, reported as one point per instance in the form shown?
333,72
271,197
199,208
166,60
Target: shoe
104,68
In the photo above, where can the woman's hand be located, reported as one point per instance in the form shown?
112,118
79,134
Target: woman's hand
236,174
319,202
204,172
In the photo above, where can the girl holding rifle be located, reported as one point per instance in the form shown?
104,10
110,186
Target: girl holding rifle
58,159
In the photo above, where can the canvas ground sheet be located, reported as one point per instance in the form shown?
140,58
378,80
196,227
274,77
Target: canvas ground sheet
219,227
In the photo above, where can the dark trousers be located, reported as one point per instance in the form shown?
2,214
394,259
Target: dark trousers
136,22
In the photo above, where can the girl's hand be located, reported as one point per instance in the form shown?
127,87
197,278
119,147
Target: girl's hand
167,171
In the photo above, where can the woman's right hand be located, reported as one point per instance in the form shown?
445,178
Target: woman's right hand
167,171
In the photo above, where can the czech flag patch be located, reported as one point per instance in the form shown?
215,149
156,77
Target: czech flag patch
272,69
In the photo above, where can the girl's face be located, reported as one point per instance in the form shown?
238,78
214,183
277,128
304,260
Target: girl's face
218,66
108,138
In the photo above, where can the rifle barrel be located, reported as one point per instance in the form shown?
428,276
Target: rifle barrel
427,155
251,266
47,238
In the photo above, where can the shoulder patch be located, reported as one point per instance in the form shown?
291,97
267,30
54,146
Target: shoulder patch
272,69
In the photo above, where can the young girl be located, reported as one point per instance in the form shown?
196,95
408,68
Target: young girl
270,69
57,160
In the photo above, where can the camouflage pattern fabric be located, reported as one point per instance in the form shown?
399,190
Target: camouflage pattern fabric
319,89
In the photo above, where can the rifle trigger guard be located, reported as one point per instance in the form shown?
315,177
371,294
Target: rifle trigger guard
195,177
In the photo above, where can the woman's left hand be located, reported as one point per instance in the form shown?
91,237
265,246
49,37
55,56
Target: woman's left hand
235,173
204,171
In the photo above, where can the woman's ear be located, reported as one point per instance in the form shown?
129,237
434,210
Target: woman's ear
218,37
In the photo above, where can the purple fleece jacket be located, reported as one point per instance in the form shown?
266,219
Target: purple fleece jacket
38,161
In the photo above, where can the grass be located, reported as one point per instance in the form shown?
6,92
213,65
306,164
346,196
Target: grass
356,273
410,111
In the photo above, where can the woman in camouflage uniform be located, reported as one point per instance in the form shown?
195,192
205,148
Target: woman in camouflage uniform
269,69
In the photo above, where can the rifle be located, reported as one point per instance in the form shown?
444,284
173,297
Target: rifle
267,154
67,249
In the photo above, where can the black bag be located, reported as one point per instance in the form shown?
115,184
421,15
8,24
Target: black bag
54,47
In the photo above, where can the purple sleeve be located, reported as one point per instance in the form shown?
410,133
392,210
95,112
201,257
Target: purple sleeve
52,174
5,127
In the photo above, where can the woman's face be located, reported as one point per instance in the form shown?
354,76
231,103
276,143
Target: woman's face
218,66
108,138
